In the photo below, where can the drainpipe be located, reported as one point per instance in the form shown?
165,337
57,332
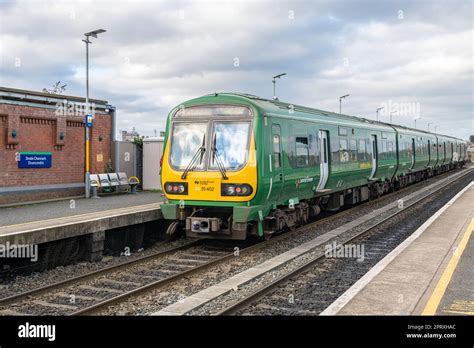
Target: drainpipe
116,162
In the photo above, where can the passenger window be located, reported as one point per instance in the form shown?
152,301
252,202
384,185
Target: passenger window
362,151
343,153
313,150
353,150
390,147
409,148
383,154
276,151
302,152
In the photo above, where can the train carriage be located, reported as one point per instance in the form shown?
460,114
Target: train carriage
236,165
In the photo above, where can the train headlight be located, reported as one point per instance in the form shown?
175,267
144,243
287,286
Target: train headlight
236,190
229,190
176,188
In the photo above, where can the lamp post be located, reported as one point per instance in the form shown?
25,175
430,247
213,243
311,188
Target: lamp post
429,123
340,102
378,109
391,113
274,84
88,116
416,118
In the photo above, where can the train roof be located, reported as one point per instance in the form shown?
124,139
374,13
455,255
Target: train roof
271,106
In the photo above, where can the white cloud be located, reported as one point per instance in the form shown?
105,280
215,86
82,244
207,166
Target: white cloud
155,55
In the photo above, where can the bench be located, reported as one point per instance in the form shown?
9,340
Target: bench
114,181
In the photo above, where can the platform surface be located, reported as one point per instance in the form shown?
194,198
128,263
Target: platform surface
431,273
49,221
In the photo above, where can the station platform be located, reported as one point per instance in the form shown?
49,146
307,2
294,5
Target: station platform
430,273
51,221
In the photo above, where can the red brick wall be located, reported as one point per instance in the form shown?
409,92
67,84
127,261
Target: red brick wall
38,130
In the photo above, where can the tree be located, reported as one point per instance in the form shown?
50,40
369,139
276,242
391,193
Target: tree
57,88
138,140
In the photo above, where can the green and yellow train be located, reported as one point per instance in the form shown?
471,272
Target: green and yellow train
236,165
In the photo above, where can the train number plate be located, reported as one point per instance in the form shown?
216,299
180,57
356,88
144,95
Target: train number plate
204,185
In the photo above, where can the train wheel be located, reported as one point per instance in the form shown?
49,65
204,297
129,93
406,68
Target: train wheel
172,232
267,235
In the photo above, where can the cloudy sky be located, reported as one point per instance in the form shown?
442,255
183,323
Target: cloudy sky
414,58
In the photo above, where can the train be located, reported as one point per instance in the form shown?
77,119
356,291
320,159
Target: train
236,165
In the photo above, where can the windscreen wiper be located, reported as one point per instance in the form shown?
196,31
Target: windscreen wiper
216,157
194,161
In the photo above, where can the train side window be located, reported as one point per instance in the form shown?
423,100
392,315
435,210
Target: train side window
409,149
390,148
276,151
383,154
353,150
313,150
362,153
302,152
343,151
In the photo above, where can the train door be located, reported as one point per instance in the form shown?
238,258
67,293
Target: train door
276,165
413,149
444,152
374,156
429,152
324,161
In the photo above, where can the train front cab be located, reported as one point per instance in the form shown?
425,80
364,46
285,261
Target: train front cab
209,170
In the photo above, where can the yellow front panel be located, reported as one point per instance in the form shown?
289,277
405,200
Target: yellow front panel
206,185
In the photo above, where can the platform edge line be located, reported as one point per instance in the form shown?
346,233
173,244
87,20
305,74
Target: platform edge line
350,293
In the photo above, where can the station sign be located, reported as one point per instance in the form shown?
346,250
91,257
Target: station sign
89,120
35,160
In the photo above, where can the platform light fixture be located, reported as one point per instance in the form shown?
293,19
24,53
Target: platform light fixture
416,118
377,111
340,102
274,84
391,113
87,140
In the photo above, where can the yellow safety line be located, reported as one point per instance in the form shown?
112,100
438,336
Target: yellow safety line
438,293
79,215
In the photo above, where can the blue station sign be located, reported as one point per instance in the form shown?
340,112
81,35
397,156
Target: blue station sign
88,120
35,160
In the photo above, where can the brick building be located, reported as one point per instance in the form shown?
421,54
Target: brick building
36,125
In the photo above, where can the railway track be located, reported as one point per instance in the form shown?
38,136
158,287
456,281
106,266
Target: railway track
312,286
95,291
77,291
